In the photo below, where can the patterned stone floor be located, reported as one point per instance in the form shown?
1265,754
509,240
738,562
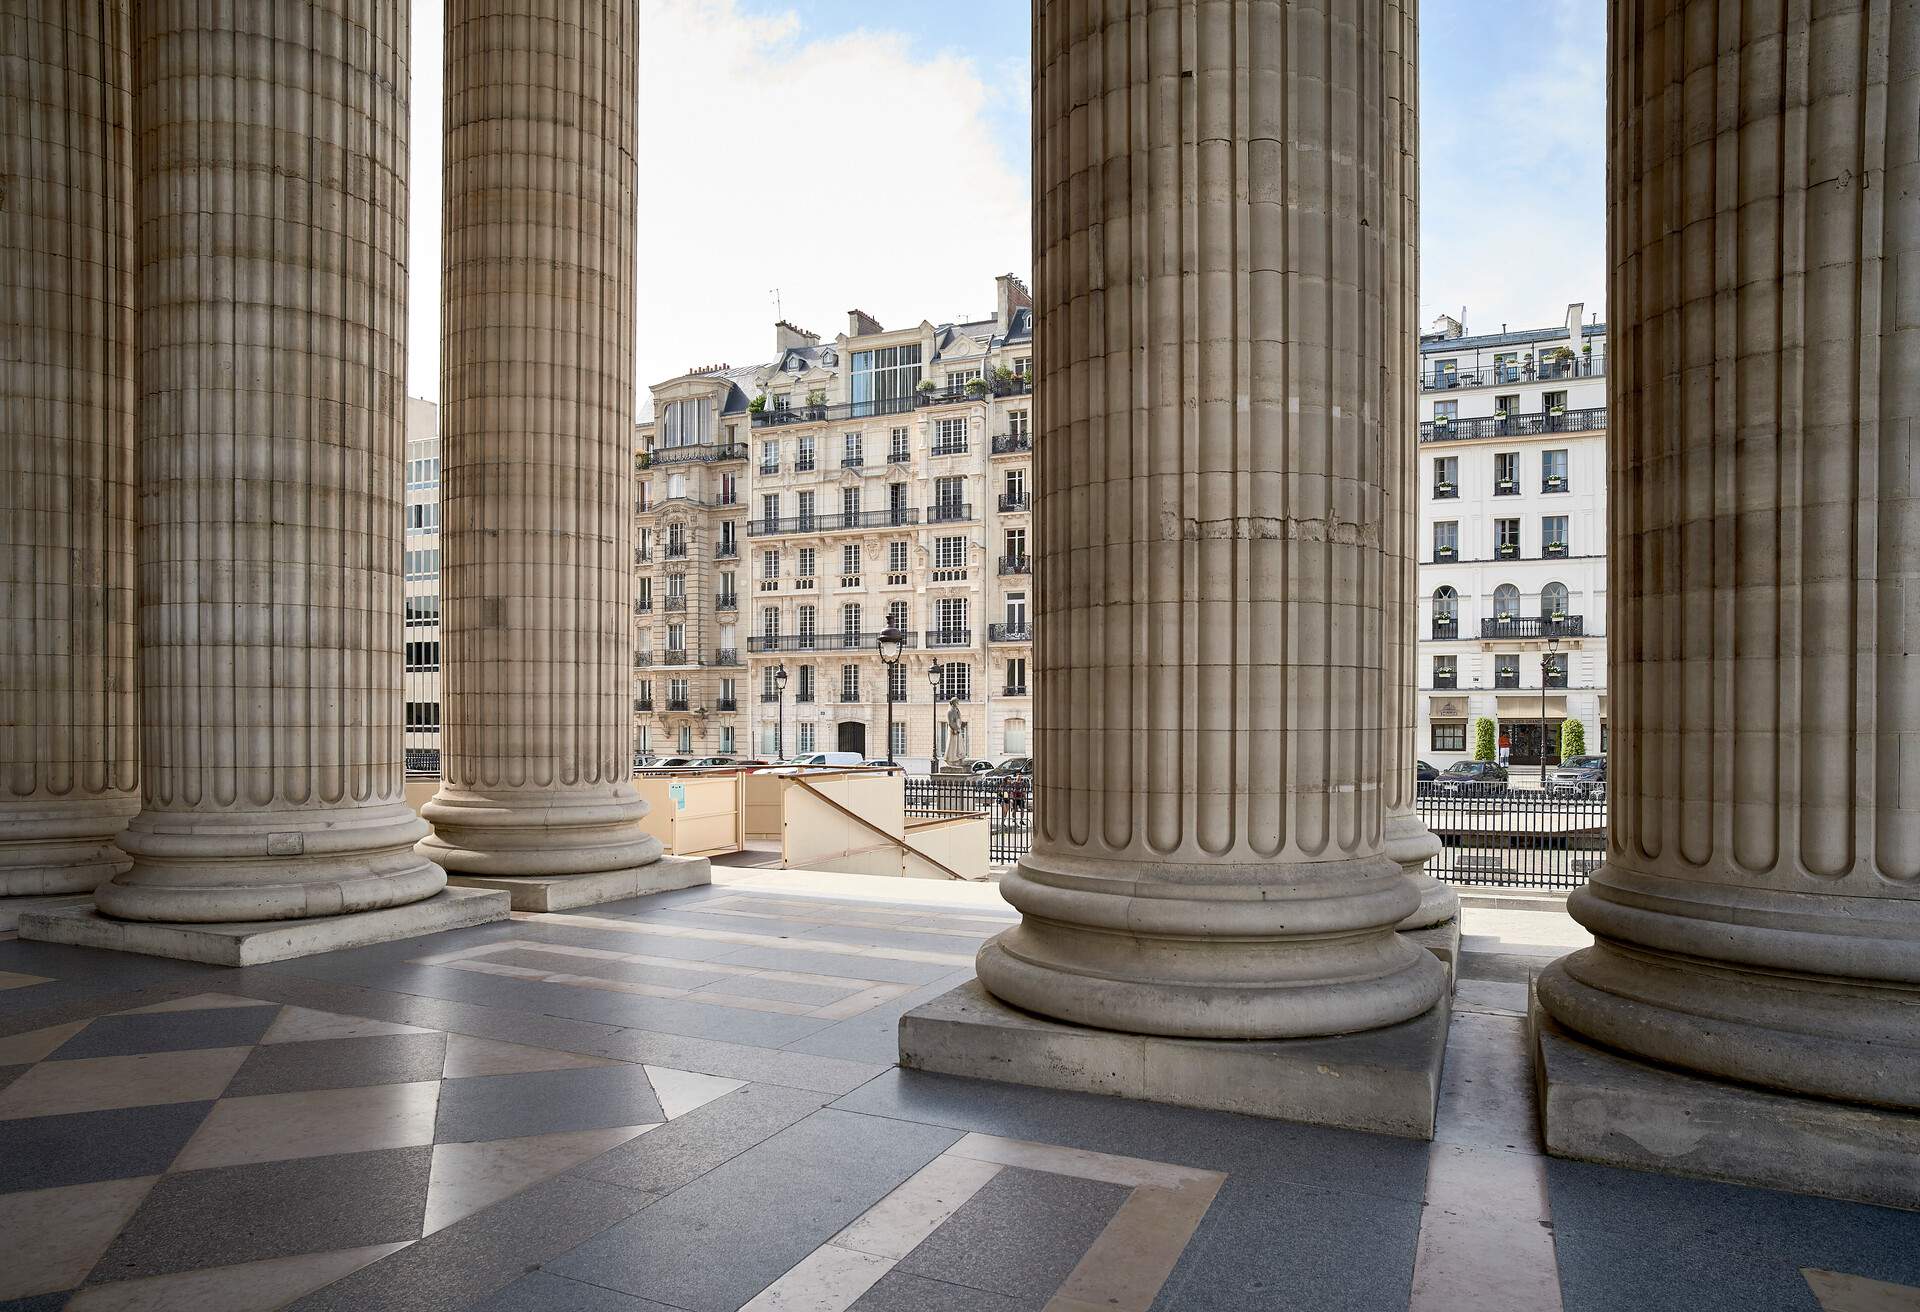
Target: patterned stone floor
687,1103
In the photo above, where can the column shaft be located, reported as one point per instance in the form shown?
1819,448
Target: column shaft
272,202
1214,263
68,750
537,385
1759,913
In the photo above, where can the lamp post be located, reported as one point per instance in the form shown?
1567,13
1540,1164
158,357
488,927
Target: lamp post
1546,673
933,719
780,701
891,643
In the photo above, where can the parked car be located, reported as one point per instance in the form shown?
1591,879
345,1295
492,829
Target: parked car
1424,773
671,763
817,761
1007,765
1472,779
1581,776
730,762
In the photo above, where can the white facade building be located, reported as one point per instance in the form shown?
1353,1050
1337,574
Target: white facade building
421,584
1513,524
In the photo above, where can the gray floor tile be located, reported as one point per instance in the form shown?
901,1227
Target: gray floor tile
271,1209
475,1258
1500,967
340,1064
38,1303
8,1074
868,936
541,1291
711,1246
544,1102
681,1151
781,990
689,976
1486,1086
898,1291
614,940
168,1031
505,1024
737,1061
1020,1236
1663,1243
874,1035
881,970
43,1152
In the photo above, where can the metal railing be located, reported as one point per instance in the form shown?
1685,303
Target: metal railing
1525,425
1513,837
726,656
727,601
1533,626
835,522
1006,801
676,703
674,551
706,453
1022,632
853,462
726,704
674,603
1016,564
1005,444
949,637
674,656
949,512
782,642
1584,365
1011,501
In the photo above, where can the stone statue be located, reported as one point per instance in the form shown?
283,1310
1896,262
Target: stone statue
956,731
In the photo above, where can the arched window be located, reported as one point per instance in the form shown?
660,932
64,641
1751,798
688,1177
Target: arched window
1553,601
1446,604
1506,602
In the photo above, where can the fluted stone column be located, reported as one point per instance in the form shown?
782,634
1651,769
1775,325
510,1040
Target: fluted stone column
1758,916
537,388
272,199
1222,221
69,758
1408,840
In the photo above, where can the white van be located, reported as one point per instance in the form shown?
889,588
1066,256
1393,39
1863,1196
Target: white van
832,759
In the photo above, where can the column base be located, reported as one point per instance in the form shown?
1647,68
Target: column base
561,892
1597,1105
1443,940
257,942
12,908
1385,1081
1410,845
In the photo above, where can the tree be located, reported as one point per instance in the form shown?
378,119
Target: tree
1484,738
1573,739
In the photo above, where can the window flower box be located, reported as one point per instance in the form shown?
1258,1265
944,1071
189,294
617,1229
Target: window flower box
1557,411
1443,488
1507,550
1556,549
1556,483
1507,485
1444,553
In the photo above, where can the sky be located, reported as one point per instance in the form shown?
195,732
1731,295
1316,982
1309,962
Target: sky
802,159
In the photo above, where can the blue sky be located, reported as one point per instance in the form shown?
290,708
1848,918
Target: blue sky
852,154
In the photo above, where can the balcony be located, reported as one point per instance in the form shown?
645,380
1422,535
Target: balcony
1556,675
642,659
641,555
1506,487
891,517
674,603
643,703
1590,364
706,453
899,458
949,637
848,698
805,465
727,601
1527,425
1507,551
676,656
1010,632
949,448
1553,483
1445,555
784,642
642,606
726,656
1446,680
1016,565
950,512
1446,626
853,462
1534,626
1014,690
1445,491
727,551
769,466
1554,550
674,551
1014,501
676,703
1006,444
726,704
769,698
813,414
1506,676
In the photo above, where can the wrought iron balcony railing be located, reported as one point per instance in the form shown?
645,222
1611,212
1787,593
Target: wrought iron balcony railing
1526,425
1021,632
1016,565
1534,626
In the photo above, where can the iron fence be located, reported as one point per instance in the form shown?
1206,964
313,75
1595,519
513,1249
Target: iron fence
1516,838
1006,801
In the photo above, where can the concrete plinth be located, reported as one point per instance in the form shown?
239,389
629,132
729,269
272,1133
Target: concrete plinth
560,892
1386,1081
1599,1106
257,942
12,908
1443,940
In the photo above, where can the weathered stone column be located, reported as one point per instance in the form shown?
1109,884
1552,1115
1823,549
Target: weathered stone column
1758,917
69,758
537,385
272,200
1222,223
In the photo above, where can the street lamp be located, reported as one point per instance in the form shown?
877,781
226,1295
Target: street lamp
1546,672
891,643
933,720
780,698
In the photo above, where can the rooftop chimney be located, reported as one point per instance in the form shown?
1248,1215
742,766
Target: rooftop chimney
1010,294
787,335
862,324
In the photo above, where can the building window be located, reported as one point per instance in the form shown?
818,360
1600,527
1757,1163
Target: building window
1449,735
1016,737
423,656
686,739
1446,540
803,686
849,683
1553,601
1553,535
850,621
950,436
770,739
1013,493
424,609
770,458
898,747
951,618
1506,473
726,739
770,623
897,615
1019,423
1446,613
1553,471
808,616
1446,671
896,557
806,737
770,507
1446,476
897,449
684,423
805,516
677,586
850,506
850,451
423,717
808,556
1017,612
770,564
1506,602
803,459
1506,538
1017,676
423,517
1506,407
884,381
949,553
897,682
956,680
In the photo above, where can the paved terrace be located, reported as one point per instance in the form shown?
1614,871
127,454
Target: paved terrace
688,1103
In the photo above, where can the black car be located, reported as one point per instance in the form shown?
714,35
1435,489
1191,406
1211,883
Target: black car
1424,773
1472,779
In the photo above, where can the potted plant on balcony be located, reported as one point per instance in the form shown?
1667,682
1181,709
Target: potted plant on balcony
1558,617
758,405
1508,671
1503,618
1443,553
1441,421
977,387
1444,488
1508,550
816,404
1557,411
926,387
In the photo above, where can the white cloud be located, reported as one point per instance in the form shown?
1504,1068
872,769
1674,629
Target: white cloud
844,170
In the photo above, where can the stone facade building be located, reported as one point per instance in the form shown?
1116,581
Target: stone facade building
420,589
1513,539
887,477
